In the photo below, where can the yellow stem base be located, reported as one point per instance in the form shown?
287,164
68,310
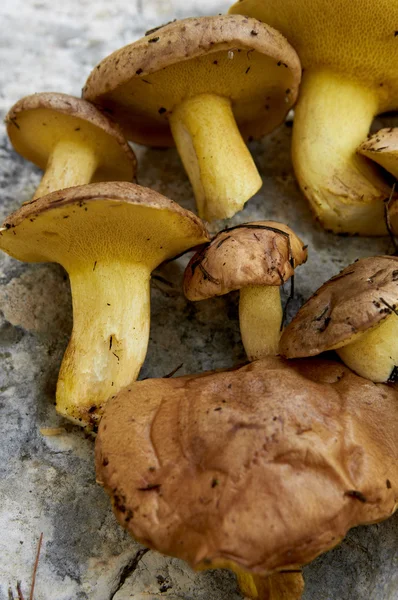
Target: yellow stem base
218,163
279,586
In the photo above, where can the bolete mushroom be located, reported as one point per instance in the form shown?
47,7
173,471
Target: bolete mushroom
108,237
382,148
254,469
70,139
207,84
354,313
349,55
255,258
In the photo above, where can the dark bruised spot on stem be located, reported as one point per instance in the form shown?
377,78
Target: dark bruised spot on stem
162,110
95,264
356,495
110,342
247,70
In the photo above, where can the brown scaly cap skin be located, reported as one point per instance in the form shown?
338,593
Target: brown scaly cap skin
258,253
179,42
69,106
357,299
263,467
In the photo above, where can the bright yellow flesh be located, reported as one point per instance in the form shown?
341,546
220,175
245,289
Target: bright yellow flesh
216,159
260,319
374,355
332,117
109,249
109,338
279,586
70,163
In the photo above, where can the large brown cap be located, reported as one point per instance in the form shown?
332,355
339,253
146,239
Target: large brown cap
258,253
263,467
357,299
236,57
36,123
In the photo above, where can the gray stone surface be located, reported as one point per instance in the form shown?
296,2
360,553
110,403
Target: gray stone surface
47,484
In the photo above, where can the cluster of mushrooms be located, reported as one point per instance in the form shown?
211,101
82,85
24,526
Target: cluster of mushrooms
260,468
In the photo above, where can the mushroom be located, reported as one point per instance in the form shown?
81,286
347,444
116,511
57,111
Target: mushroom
207,84
255,258
108,237
70,139
258,469
382,148
354,313
349,55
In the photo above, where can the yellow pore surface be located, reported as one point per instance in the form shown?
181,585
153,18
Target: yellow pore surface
356,37
35,134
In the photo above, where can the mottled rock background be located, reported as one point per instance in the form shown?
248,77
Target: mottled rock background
47,484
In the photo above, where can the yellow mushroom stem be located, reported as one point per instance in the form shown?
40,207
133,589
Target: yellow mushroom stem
260,319
279,586
71,163
218,163
111,316
332,118
374,354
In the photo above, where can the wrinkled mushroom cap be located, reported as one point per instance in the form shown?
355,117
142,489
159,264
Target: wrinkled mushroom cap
356,39
101,221
36,123
263,467
355,301
382,148
258,253
231,56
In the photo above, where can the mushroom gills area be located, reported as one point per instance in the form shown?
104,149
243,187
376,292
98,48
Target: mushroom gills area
332,118
260,319
278,586
374,355
71,163
111,316
218,163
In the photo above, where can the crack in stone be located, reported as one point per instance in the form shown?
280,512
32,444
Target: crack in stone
128,570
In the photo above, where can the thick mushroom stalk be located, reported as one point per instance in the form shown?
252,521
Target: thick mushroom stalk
354,313
345,192
111,308
207,137
374,354
109,237
260,320
278,586
71,163
70,140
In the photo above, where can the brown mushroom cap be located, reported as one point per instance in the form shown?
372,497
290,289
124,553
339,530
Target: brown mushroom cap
263,467
258,253
356,300
382,148
36,123
229,55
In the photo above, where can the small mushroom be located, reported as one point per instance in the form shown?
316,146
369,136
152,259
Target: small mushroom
255,258
258,469
382,148
349,52
354,313
109,237
70,139
206,84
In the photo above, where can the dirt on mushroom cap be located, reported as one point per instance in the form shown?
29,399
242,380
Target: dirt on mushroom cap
354,301
257,253
265,466
226,55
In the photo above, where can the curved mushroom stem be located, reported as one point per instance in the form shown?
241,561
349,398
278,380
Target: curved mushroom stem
218,163
111,317
374,355
260,319
332,118
279,586
71,163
